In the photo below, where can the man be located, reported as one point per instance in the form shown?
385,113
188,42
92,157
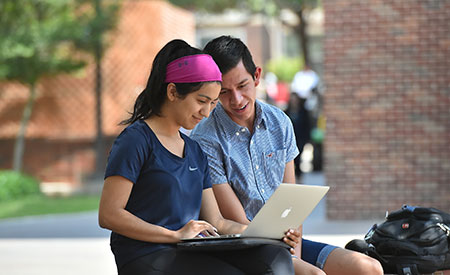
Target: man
251,147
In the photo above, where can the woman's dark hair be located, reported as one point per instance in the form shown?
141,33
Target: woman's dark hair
227,51
151,99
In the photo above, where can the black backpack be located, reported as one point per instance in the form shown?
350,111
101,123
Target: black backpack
412,240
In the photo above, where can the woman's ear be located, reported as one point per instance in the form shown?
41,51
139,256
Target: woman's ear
171,92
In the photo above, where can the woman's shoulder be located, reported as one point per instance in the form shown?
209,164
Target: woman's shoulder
137,128
130,147
135,134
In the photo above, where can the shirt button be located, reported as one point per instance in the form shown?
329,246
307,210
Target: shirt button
262,190
251,141
237,133
257,167
243,130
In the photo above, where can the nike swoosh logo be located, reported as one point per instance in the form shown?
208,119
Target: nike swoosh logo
192,168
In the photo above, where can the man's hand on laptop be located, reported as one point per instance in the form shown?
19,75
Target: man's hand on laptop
292,237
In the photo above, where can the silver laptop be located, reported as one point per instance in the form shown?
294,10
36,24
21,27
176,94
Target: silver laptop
287,208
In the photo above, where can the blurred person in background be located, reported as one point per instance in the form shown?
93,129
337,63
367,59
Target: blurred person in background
304,81
251,148
157,188
299,116
270,81
306,85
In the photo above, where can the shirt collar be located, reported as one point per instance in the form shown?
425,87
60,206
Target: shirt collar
231,127
260,118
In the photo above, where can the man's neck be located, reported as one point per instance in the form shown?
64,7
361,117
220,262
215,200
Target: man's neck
248,123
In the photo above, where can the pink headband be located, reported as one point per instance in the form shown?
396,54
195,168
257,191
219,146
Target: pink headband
193,68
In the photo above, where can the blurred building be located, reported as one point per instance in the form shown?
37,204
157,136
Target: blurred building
61,133
387,103
267,37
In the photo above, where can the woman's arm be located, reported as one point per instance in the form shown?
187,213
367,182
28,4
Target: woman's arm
113,216
210,212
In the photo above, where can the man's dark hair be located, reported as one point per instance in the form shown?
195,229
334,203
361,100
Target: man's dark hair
227,51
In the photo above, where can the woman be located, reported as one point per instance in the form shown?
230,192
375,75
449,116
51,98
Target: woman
157,185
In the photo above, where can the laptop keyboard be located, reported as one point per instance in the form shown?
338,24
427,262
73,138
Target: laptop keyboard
225,236
222,236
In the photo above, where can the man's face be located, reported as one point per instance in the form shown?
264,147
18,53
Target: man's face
238,94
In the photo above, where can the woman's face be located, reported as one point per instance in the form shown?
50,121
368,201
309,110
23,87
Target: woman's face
190,110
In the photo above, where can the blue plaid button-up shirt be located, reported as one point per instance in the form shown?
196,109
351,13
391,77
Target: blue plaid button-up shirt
253,164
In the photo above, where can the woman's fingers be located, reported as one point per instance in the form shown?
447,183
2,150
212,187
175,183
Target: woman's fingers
209,230
200,229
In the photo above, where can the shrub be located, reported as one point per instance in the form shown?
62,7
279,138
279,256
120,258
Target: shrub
285,68
16,185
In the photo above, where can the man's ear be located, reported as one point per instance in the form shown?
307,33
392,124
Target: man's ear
171,92
257,75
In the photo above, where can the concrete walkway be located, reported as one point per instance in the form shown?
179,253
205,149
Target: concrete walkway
74,244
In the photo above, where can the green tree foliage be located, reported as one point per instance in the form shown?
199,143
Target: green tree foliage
41,38
98,17
37,40
207,5
285,68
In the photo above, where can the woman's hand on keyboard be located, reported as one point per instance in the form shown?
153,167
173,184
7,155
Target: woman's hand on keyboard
195,228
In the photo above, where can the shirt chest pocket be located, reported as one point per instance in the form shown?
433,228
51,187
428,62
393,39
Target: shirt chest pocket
274,164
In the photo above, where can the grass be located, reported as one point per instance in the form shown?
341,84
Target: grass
40,205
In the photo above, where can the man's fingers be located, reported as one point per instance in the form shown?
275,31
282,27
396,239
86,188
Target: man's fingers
293,235
290,242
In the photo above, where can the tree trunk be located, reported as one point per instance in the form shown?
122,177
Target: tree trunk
19,146
302,36
99,142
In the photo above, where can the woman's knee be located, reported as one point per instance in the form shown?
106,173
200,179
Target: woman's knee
370,266
303,268
343,261
364,264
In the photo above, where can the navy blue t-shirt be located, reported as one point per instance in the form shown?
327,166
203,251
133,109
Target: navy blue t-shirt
167,189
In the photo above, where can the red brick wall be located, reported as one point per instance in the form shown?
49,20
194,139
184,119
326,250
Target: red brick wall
387,103
61,131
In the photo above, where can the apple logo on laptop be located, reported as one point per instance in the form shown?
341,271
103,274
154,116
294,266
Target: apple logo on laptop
286,212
